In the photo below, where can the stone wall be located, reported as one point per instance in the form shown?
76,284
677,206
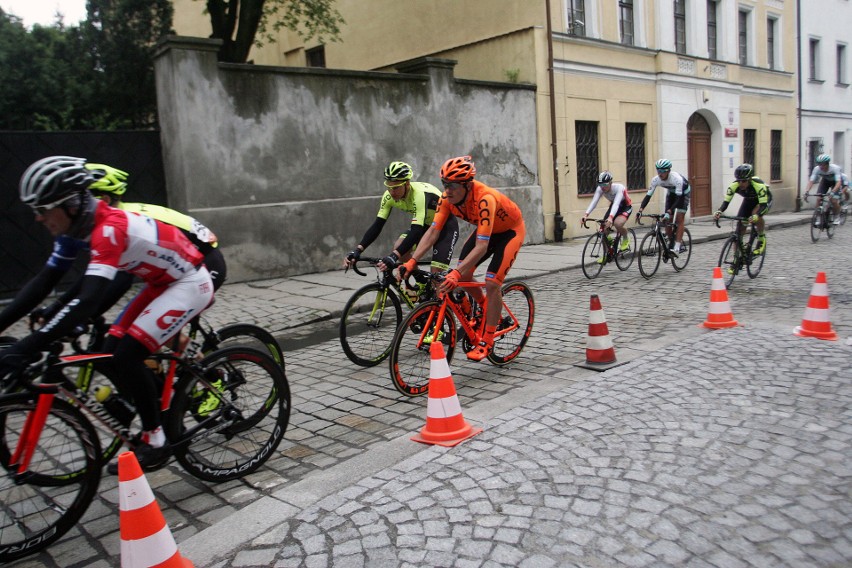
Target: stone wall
285,164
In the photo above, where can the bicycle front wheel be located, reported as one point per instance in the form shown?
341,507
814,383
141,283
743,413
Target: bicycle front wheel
368,323
624,258
594,256
650,254
683,256
829,223
40,506
515,325
730,261
228,419
410,361
756,264
816,225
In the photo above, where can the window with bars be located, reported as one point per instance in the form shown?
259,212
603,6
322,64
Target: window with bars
680,25
625,8
770,42
750,146
586,133
775,155
742,35
577,17
635,137
712,37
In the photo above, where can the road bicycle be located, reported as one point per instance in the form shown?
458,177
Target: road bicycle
737,253
223,417
656,246
600,250
823,218
435,320
371,316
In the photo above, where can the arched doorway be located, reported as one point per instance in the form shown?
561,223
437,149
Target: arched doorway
698,134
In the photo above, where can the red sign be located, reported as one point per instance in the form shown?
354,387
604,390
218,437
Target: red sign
730,132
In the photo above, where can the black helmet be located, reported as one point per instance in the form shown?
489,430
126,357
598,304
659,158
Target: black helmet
744,172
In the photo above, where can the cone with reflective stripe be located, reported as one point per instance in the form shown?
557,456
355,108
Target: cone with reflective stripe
146,541
719,316
815,323
445,425
599,348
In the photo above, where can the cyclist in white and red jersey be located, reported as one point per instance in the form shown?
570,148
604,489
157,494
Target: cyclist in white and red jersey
178,286
619,210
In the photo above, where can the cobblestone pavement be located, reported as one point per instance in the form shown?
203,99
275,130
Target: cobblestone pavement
721,448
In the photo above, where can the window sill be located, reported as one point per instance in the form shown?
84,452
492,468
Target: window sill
841,85
817,81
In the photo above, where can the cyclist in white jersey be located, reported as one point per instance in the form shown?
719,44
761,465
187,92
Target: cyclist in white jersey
830,181
619,210
677,198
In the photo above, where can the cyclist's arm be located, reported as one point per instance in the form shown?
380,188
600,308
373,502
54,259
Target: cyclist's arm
594,202
33,292
78,310
372,233
647,198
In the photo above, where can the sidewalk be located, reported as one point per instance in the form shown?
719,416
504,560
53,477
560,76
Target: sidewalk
282,304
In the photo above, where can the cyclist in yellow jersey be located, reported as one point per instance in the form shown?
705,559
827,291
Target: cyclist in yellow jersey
418,199
757,200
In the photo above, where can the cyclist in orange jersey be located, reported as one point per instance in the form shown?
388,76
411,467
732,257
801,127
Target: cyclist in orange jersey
499,234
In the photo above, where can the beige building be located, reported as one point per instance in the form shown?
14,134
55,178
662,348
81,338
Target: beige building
707,84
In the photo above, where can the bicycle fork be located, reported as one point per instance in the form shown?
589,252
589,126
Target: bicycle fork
33,426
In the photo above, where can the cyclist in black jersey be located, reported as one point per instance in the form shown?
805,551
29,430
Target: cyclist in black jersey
757,200
420,200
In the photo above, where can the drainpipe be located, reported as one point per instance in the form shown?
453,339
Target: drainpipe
799,113
559,224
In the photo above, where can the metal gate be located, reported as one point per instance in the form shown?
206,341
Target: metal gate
24,243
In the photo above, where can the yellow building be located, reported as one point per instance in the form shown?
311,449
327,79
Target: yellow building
708,84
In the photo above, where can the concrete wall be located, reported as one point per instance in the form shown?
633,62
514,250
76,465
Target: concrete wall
285,164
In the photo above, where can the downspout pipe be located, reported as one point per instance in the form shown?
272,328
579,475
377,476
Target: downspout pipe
800,152
559,224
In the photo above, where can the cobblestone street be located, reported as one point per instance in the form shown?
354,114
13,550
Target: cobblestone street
705,448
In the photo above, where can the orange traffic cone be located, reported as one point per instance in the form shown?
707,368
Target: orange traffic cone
599,348
815,322
445,425
146,540
719,315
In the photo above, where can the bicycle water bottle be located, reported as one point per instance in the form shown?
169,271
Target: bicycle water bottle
117,407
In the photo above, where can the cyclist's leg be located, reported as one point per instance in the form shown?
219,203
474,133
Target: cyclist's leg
680,219
618,223
671,200
442,251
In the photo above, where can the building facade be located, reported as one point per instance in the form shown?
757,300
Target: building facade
708,84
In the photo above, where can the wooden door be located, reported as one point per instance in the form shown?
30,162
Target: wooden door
698,154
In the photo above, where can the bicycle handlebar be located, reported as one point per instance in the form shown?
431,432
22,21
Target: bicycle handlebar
731,217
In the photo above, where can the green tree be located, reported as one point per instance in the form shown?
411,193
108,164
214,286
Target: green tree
121,36
243,23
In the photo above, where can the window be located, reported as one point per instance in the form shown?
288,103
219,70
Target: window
814,150
680,25
625,9
635,136
315,56
577,17
712,41
742,34
813,60
775,156
587,156
770,42
750,146
841,64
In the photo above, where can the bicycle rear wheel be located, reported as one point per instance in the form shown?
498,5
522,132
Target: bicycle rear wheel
593,252
730,261
42,505
649,255
250,335
624,258
515,325
229,423
410,361
683,257
368,323
816,225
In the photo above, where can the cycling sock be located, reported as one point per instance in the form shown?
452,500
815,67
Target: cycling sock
156,437
488,336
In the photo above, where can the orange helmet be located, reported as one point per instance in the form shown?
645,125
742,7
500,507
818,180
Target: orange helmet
458,169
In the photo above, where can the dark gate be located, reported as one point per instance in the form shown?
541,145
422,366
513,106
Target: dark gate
24,243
